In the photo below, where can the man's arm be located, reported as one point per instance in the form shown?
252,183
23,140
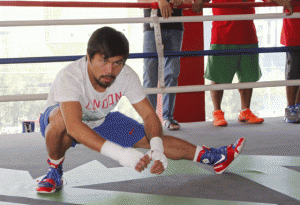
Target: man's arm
72,115
129,157
152,124
154,134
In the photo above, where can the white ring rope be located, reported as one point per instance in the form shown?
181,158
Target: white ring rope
146,20
178,89
156,20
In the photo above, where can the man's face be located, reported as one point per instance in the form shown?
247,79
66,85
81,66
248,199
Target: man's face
104,71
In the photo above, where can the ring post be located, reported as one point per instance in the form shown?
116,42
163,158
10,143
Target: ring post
190,107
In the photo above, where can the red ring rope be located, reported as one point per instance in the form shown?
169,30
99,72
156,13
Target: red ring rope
131,5
74,4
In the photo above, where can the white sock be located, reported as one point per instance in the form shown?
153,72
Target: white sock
198,150
56,162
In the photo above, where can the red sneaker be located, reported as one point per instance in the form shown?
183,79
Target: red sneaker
248,117
221,157
52,181
219,119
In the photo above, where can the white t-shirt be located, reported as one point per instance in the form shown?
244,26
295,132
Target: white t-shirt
73,84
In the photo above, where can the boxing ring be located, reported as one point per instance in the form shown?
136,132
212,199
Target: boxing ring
267,172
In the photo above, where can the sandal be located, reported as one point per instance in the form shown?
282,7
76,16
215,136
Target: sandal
169,122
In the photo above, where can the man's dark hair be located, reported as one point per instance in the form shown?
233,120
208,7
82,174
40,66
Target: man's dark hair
108,42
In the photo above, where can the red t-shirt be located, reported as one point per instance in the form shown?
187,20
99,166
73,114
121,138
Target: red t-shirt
291,30
233,32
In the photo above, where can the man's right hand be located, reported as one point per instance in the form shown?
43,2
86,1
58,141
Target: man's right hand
165,8
127,157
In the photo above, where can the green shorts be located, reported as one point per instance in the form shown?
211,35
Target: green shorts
221,69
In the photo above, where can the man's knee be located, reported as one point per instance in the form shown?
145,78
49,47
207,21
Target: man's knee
56,120
143,143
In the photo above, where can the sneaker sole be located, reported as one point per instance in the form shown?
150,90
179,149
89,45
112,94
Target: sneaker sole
49,192
290,121
239,148
46,192
246,121
221,125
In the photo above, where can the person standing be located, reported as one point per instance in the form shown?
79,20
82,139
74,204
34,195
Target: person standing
290,37
221,69
171,34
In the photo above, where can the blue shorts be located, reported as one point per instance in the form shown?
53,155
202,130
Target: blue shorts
116,128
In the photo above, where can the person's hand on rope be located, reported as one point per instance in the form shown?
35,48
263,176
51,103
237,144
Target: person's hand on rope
187,2
286,6
176,3
165,8
198,5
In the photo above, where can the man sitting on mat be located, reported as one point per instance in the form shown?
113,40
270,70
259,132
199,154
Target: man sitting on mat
79,111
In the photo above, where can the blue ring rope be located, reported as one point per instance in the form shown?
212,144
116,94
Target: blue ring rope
154,55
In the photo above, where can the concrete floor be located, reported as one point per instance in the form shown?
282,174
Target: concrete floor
267,171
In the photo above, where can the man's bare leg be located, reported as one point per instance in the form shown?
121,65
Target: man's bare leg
246,115
291,95
175,148
216,97
57,142
297,101
246,95
57,139
218,114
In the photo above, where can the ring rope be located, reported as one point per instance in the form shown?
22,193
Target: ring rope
75,4
159,20
146,20
131,5
177,89
154,55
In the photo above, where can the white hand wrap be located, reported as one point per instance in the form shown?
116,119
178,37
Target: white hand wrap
156,143
157,151
128,157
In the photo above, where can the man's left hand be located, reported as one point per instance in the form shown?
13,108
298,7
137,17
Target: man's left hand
160,161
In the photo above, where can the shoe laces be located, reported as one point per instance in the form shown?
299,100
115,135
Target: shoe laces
213,155
218,114
294,111
55,174
249,114
297,109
